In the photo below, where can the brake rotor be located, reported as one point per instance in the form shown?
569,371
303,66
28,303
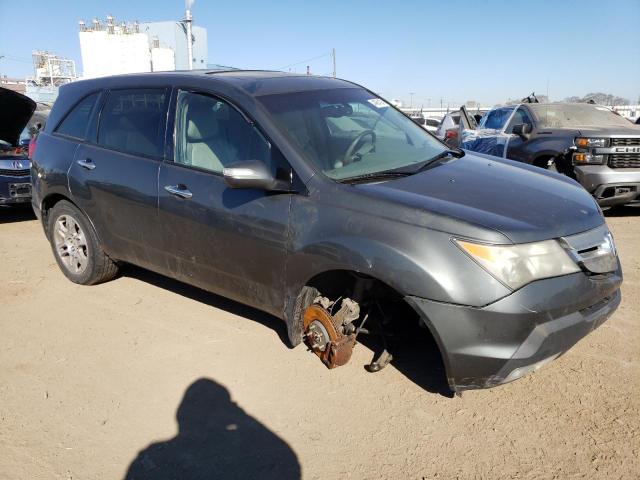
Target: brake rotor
323,335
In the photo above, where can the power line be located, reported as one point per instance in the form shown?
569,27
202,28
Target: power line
305,61
12,58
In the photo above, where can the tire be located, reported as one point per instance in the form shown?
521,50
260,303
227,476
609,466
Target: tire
543,162
76,247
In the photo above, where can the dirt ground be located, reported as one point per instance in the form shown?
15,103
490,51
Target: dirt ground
144,375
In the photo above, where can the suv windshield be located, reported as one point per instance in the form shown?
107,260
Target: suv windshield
349,132
576,115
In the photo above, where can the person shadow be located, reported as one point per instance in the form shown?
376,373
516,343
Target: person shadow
216,439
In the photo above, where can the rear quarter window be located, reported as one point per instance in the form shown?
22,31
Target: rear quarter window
76,121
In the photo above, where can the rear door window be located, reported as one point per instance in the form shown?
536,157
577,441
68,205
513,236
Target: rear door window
133,121
75,123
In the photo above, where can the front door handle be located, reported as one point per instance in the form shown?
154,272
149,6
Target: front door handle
86,163
179,191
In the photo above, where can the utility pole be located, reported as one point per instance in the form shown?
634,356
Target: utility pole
188,20
333,54
411,101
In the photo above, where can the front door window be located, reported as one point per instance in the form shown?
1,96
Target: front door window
211,134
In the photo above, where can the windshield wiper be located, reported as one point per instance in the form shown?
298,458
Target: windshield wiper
457,153
403,172
375,176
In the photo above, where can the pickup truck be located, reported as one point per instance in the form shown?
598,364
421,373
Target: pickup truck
586,142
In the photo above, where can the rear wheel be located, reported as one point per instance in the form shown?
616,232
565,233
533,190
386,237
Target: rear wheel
76,247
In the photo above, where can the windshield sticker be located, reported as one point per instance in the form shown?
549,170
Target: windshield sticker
605,109
378,102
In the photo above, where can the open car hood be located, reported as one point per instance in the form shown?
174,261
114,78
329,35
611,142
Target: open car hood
15,112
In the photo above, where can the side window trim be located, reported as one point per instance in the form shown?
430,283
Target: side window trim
161,136
91,135
56,131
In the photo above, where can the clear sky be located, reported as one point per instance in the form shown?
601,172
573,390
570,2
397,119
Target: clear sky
457,50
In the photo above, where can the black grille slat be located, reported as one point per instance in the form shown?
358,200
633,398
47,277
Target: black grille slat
15,173
624,160
625,142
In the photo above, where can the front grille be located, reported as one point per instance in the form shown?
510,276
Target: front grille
624,160
15,173
625,142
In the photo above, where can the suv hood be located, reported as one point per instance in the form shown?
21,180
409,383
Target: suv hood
594,131
522,202
15,112
606,131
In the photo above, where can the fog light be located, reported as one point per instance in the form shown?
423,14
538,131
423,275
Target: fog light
527,369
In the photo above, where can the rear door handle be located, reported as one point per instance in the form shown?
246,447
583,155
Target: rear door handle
179,191
86,163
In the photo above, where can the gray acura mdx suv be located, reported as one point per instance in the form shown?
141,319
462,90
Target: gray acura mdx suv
315,200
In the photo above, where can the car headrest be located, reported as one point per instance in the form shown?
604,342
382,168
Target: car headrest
201,121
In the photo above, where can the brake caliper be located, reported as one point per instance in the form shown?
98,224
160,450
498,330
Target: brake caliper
331,336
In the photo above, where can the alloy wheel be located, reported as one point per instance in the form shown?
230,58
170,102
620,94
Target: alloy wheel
71,244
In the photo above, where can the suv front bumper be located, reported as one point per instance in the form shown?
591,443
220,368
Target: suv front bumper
487,346
610,186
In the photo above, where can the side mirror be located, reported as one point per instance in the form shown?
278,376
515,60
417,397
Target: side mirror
419,120
249,174
253,174
522,130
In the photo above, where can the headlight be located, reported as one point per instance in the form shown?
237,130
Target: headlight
517,265
587,158
590,142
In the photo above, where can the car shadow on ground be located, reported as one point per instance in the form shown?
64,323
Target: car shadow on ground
11,214
208,298
624,211
216,439
416,354
417,357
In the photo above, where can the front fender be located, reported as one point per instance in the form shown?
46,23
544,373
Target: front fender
370,257
413,260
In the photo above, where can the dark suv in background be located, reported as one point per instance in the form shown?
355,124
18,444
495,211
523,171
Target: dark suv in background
590,143
15,112
315,200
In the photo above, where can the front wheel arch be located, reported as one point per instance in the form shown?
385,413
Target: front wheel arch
341,283
542,161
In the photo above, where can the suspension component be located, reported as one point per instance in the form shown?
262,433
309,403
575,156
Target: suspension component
331,336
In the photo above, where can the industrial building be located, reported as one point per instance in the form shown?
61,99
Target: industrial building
173,35
50,71
112,48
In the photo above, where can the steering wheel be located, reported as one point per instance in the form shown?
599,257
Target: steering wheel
347,159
